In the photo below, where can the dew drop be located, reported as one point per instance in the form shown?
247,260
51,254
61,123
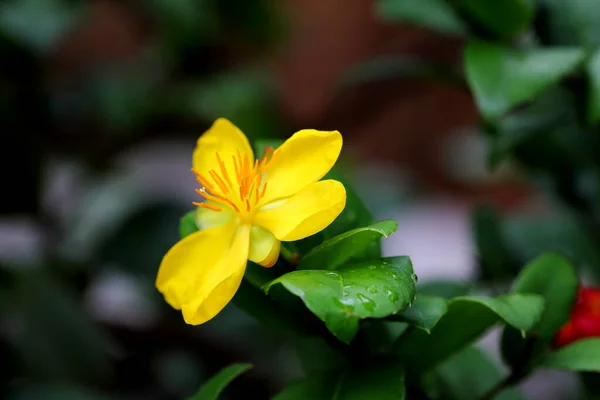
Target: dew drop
392,296
372,267
367,303
372,289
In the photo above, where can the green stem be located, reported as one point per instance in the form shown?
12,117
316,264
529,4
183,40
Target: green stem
290,253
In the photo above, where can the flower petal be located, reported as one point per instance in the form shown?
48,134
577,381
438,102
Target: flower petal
305,213
206,218
264,247
224,138
301,160
198,274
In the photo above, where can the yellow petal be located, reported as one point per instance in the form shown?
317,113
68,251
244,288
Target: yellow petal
264,247
224,138
305,213
206,218
303,159
199,274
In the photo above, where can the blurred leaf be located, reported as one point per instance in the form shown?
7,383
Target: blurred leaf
256,22
445,289
552,277
129,245
38,24
529,236
316,356
433,14
373,289
348,246
502,78
400,66
314,387
215,385
467,319
186,22
424,313
240,96
574,22
187,224
504,18
53,392
582,355
381,380
495,259
549,110
469,375
58,340
593,70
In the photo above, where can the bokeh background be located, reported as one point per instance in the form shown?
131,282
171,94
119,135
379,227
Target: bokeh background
101,102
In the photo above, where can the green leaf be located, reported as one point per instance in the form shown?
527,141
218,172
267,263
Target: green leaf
433,14
469,375
317,356
53,392
555,279
213,388
377,379
573,22
467,319
38,24
502,78
373,289
593,104
443,288
495,258
424,313
187,224
583,355
504,18
348,246
57,340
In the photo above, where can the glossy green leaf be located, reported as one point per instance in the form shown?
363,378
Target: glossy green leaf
593,101
377,379
215,385
466,320
187,224
424,313
373,289
502,78
583,355
504,18
336,251
469,375
433,14
495,259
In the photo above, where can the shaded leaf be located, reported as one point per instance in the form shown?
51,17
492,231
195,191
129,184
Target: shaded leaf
583,355
316,356
445,289
349,245
373,289
502,77
433,14
424,313
593,102
504,18
467,319
469,375
187,224
215,385
573,22
376,379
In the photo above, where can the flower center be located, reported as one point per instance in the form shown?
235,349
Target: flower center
238,188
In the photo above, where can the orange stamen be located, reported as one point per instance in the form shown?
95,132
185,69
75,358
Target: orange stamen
202,179
248,205
219,181
209,206
224,170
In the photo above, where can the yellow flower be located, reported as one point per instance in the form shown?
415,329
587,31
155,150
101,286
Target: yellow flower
250,206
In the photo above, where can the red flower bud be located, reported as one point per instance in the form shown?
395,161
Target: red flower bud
585,318
588,302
